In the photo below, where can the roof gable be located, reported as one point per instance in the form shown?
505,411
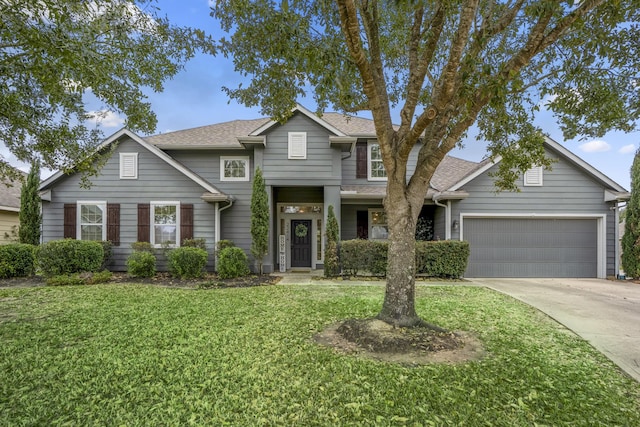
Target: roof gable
154,150
300,109
562,152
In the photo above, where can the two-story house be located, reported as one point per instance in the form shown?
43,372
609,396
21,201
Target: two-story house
197,183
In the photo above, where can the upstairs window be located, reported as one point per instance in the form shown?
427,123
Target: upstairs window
375,167
128,165
297,145
533,177
234,168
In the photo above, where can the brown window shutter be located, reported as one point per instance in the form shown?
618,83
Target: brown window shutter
186,222
144,218
361,160
113,223
69,222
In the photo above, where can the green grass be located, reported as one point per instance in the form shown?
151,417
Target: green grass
137,355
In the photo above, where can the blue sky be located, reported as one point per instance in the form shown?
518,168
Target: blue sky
195,98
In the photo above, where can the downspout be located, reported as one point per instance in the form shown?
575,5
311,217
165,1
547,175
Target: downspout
216,238
447,217
620,274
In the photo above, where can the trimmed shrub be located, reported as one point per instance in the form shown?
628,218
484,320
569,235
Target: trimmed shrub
447,258
107,247
195,243
232,262
187,262
69,256
16,260
223,244
79,279
142,247
141,264
444,258
364,256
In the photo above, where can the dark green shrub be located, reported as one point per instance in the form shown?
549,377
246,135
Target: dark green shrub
331,258
141,264
195,243
16,260
364,256
66,280
107,247
142,247
223,244
69,256
232,262
187,262
445,258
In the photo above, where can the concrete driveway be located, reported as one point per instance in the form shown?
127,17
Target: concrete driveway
605,313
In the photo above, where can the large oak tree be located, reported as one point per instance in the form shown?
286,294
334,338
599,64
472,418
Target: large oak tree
57,54
444,65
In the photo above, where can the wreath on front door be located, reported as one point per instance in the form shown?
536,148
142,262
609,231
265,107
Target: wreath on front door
301,230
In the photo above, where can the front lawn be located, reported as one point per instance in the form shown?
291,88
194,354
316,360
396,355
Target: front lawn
144,355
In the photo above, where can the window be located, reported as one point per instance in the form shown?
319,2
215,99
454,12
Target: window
165,223
128,165
533,177
92,221
375,168
378,229
297,145
234,168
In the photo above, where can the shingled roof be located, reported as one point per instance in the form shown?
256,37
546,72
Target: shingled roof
10,195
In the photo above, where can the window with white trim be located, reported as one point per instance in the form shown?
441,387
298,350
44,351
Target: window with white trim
234,168
533,177
375,167
297,145
92,221
165,223
128,165
378,228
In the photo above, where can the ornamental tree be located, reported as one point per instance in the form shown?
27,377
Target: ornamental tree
259,219
30,216
631,237
56,54
444,65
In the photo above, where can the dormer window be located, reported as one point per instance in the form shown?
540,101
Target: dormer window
297,145
533,177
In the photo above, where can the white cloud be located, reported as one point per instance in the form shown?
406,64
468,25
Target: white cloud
627,149
105,118
596,146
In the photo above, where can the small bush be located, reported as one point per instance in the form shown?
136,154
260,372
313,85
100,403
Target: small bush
142,247
195,243
224,244
445,258
187,262
78,279
232,262
69,256
16,260
141,264
107,247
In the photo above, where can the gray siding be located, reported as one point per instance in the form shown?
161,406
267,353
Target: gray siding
321,167
566,190
157,181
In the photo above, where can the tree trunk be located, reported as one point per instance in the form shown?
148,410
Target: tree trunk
399,301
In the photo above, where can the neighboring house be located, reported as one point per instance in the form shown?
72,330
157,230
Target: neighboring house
9,210
197,183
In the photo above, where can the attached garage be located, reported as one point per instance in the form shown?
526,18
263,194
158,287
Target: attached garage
534,247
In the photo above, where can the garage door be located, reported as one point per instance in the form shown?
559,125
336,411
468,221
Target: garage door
518,247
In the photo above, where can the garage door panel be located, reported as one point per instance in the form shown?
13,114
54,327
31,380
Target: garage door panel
525,247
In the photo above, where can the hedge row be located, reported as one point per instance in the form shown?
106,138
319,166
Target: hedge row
443,258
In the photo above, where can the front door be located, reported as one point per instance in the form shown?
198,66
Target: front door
300,243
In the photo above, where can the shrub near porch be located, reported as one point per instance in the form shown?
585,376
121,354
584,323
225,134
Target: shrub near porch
446,259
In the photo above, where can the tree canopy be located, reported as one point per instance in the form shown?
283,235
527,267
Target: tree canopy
55,53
